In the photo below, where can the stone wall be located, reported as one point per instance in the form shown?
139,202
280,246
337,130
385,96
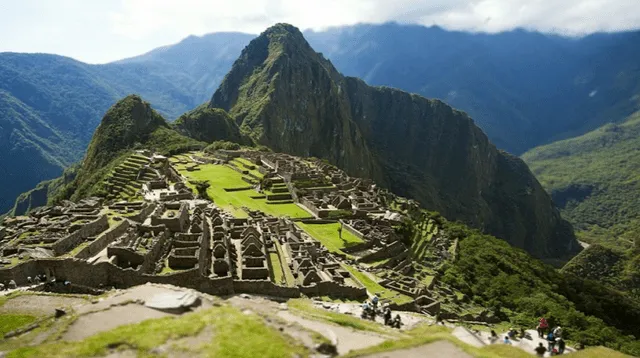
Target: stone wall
74,239
154,253
265,287
144,213
333,289
387,251
103,240
351,229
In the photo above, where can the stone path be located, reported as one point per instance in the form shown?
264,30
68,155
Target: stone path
482,339
345,339
439,349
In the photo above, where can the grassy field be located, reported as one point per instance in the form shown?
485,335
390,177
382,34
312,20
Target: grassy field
328,235
374,287
278,275
221,177
236,335
288,275
10,322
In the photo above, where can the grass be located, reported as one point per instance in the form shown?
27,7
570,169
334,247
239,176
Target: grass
374,287
236,335
10,322
245,164
288,275
328,235
78,248
221,177
276,268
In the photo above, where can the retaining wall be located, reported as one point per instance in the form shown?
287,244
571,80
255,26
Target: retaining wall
74,239
102,241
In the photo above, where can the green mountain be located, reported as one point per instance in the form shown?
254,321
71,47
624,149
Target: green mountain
595,181
129,124
523,88
291,99
51,105
209,125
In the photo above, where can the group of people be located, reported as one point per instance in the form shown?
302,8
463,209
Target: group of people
555,344
370,310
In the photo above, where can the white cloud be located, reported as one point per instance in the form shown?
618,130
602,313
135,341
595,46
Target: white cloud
139,18
107,30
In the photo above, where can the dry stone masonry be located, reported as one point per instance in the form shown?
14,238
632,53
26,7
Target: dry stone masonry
150,228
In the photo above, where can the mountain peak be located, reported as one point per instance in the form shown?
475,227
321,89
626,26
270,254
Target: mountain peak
131,120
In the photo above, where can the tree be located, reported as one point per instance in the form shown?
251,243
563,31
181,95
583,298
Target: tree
201,188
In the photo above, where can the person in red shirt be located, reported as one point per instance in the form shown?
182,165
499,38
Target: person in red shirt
542,326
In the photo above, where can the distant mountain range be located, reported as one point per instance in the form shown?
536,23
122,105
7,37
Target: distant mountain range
522,88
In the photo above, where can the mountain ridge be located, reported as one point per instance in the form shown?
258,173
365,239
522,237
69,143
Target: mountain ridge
282,93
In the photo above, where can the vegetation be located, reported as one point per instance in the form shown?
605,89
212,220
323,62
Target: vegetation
222,177
595,181
228,324
520,289
329,235
11,322
209,125
346,120
222,144
375,288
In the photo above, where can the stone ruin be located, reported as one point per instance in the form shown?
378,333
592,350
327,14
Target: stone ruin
167,236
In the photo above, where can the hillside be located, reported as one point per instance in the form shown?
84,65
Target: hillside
523,88
594,180
50,106
291,99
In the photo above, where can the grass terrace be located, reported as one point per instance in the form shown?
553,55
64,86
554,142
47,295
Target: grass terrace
229,324
222,177
374,287
328,235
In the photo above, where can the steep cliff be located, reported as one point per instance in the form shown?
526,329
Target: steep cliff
290,98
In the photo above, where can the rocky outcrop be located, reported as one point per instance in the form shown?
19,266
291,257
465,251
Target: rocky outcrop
209,125
286,96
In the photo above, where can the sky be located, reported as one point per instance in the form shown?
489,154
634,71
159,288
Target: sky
100,31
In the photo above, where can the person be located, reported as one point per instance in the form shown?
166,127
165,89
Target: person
397,322
523,334
540,350
557,332
494,337
561,345
374,301
365,309
542,326
506,340
552,341
387,315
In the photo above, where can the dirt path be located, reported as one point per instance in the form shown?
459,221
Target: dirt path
346,339
96,322
440,349
38,305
